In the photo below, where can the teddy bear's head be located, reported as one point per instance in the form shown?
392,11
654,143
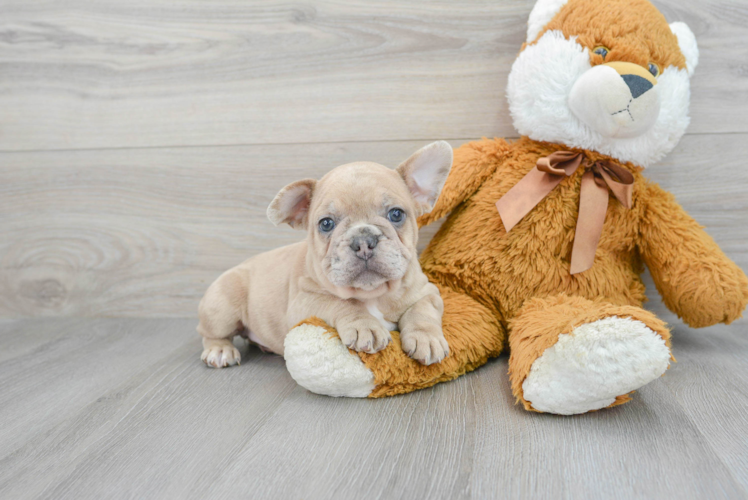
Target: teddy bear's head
610,76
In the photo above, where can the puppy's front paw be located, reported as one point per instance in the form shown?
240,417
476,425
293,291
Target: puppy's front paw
220,353
426,345
364,334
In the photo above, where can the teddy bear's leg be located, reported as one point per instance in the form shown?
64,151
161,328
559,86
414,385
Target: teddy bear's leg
318,360
571,355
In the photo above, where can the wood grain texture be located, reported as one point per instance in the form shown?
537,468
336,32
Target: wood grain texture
73,408
110,74
123,408
710,382
140,143
143,232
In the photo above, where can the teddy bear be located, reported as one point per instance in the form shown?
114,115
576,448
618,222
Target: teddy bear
546,236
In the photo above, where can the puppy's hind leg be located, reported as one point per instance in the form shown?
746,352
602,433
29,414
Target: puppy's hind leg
220,314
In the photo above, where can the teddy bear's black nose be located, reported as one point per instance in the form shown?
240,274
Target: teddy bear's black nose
637,85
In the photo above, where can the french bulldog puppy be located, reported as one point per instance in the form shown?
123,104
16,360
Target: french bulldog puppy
357,269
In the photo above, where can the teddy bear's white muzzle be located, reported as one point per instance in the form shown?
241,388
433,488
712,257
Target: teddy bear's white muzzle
614,104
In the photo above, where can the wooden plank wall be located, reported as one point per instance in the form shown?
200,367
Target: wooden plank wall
141,141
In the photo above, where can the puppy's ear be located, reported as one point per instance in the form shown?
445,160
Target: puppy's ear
426,171
291,204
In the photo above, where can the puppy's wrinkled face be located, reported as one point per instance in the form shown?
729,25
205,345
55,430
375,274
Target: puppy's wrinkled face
361,217
363,226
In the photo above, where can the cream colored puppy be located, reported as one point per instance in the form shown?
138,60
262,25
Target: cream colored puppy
357,269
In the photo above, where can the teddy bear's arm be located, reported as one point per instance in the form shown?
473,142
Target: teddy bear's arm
473,163
696,279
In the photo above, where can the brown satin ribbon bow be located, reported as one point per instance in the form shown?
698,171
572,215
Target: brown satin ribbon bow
548,173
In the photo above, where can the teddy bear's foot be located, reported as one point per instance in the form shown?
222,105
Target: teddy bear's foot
317,359
572,355
590,367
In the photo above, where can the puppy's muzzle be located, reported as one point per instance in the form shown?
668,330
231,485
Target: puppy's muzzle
364,243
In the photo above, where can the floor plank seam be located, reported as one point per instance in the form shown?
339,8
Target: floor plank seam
302,143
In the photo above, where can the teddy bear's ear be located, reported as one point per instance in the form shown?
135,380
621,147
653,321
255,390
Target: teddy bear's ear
541,14
687,44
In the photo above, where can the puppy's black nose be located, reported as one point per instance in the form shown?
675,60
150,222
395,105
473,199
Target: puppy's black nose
364,245
636,84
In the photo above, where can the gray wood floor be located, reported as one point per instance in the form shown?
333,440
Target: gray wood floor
123,408
140,143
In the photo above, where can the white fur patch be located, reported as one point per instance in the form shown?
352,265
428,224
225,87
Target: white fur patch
603,101
538,91
586,369
541,14
322,364
687,44
371,306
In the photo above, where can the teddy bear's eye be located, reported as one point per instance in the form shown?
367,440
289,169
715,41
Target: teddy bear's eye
601,51
654,69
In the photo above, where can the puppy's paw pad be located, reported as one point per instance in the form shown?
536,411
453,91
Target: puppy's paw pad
425,347
221,356
364,335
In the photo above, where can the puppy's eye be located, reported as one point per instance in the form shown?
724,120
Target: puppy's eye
654,69
396,215
601,51
326,225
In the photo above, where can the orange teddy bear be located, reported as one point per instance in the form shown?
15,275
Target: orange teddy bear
547,236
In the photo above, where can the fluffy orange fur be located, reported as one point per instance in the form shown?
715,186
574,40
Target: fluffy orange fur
632,31
514,290
493,282
474,335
